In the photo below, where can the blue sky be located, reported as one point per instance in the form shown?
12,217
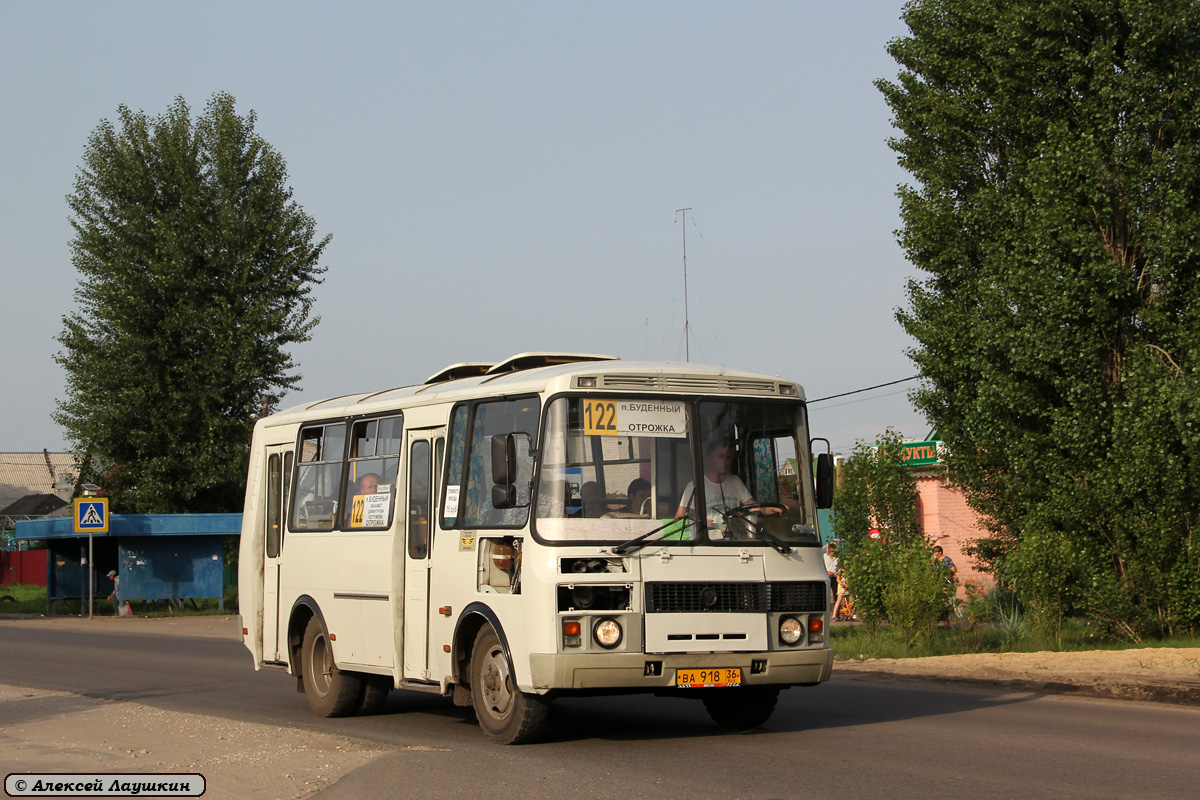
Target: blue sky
500,178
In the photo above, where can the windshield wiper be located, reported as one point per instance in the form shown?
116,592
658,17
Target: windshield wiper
761,531
639,541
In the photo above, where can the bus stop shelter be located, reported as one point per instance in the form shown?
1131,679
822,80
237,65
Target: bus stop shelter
172,557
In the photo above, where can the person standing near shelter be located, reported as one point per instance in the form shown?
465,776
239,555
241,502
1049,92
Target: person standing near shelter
115,598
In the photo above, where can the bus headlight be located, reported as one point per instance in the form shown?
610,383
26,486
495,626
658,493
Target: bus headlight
791,631
607,633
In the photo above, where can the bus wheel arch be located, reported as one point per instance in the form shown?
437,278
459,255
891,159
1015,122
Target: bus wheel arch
474,617
304,609
330,691
505,713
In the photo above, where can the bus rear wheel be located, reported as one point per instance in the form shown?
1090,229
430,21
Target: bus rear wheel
505,713
330,692
743,708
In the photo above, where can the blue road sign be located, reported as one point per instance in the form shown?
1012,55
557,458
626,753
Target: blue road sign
91,515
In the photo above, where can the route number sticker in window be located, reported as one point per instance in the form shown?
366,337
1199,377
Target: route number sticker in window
605,417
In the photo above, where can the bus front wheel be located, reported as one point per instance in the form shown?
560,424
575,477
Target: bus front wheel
741,709
506,714
330,692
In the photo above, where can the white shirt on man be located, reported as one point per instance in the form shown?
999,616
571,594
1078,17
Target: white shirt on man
719,498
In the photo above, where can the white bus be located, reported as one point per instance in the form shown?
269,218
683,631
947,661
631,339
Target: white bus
551,525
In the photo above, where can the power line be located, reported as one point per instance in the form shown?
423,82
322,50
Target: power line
868,399
868,389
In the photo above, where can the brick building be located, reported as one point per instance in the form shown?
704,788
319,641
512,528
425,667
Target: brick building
946,519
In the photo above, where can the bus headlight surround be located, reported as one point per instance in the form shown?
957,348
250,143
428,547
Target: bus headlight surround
791,631
607,633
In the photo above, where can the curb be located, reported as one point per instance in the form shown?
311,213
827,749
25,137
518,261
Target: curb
1174,693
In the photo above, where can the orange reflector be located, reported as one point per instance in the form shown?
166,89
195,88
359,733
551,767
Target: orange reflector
333,637
571,628
445,648
815,625
245,631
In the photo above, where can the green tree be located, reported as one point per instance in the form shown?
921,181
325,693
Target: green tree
196,270
891,577
1055,211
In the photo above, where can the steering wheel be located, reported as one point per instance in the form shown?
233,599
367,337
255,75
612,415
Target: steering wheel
750,508
744,528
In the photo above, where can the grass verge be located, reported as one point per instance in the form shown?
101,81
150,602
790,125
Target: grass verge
862,642
31,600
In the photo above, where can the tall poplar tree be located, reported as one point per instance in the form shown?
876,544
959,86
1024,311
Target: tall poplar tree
1054,147
196,271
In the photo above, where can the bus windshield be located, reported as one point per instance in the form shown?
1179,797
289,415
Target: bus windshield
614,469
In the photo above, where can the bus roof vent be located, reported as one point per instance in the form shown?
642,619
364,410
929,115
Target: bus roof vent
525,361
463,369
717,384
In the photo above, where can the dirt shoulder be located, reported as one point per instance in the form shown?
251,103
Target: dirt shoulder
44,731
1159,674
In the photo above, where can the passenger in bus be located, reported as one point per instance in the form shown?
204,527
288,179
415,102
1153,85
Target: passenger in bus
639,497
367,484
594,501
722,489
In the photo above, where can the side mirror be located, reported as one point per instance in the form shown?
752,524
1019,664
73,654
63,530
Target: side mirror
824,480
504,459
504,469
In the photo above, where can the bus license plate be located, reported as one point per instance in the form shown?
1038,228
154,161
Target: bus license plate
705,678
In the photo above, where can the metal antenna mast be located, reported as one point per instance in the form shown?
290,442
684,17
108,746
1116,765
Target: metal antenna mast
686,335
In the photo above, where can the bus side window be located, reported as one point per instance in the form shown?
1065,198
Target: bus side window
488,420
418,500
371,473
319,477
274,482
454,466
288,460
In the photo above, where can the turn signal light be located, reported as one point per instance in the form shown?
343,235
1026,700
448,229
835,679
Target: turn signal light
816,629
572,633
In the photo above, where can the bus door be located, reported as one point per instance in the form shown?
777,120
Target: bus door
279,476
425,450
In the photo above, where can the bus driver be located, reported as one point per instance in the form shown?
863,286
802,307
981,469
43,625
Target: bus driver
722,489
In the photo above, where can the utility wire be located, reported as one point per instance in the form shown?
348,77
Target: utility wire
868,389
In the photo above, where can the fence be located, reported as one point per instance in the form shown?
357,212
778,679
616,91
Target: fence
23,566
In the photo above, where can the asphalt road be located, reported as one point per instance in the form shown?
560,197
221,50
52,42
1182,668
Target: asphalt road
855,737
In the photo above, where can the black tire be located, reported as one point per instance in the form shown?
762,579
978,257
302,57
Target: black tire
506,714
330,692
743,708
375,694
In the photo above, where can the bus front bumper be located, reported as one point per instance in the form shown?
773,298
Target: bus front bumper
655,671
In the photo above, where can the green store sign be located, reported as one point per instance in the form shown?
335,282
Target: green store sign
920,453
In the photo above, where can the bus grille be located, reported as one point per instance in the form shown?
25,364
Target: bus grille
677,597
799,596
672,597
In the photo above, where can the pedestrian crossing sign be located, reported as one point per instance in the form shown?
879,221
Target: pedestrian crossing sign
91,515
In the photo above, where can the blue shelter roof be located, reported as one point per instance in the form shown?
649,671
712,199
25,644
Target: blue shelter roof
136,525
